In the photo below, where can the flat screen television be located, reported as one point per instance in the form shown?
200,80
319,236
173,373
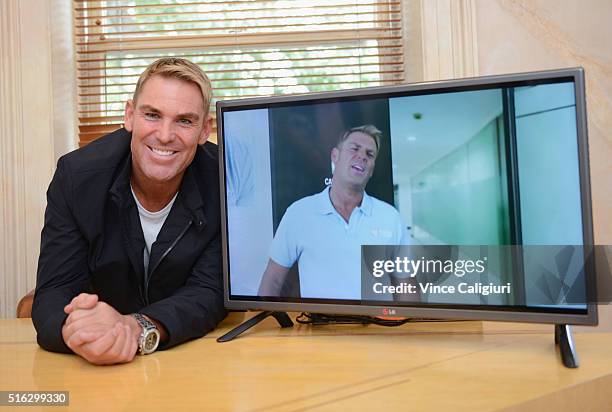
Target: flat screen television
330,199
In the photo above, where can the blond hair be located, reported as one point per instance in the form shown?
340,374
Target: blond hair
368,129
177,68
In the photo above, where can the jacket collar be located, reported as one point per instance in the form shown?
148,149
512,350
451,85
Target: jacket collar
192,198
120,189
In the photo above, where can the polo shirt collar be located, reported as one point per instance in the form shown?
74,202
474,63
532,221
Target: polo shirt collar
326,207
366,204
324,203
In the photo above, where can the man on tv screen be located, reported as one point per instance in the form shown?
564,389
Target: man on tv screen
324,232
130,253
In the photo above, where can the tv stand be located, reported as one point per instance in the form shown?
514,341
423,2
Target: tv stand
563,338
281,317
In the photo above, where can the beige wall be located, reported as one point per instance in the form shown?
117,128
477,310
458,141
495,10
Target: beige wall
524,35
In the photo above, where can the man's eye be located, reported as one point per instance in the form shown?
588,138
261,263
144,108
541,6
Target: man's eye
185,121
151,115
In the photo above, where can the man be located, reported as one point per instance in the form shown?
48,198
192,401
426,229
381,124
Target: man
130,251
324,232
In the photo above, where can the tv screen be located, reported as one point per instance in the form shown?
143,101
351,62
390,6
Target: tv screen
465,199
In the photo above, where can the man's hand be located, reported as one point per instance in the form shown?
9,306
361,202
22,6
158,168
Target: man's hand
82,301
97,332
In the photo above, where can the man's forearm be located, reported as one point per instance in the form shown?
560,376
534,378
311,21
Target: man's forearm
48,318
272,279
188,314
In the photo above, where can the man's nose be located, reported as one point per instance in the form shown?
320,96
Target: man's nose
166,132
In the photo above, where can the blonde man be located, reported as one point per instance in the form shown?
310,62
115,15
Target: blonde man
130,254
324,232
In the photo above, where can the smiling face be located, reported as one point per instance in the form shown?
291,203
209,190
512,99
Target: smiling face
167,122
354,161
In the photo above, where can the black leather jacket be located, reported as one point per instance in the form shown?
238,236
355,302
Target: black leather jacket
92,241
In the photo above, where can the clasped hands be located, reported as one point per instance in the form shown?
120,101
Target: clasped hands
95,331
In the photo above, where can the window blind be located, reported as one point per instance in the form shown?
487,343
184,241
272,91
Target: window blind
248,48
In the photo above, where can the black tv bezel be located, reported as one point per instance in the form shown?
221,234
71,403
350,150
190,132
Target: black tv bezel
533,314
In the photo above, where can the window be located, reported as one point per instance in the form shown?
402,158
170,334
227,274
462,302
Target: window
248,48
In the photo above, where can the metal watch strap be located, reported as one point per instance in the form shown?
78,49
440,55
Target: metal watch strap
147,327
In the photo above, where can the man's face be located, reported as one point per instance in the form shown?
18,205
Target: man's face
354,160
167,123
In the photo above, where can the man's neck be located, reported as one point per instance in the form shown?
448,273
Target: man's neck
345,200
154,196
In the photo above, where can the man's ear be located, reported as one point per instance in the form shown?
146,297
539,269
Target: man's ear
334,155
206,129
128,116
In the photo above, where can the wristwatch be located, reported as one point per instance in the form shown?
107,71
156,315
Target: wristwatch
149,338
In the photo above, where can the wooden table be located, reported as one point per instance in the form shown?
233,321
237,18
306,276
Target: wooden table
458,366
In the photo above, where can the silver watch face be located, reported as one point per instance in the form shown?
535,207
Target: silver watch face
151,340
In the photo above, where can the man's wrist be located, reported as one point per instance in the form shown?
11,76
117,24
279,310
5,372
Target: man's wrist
135,328
163,335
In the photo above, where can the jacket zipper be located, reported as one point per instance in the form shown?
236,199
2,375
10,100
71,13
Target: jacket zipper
146,291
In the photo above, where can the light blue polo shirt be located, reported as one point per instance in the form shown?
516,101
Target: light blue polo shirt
328,249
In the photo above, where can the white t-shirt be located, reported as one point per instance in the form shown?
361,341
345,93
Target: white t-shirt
151,223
